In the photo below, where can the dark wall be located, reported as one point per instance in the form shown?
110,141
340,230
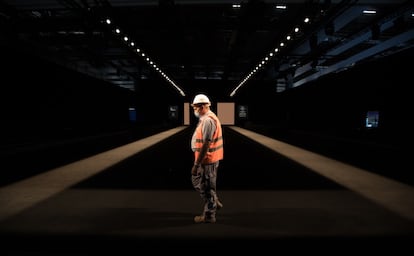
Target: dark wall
153,100
337,103
39,98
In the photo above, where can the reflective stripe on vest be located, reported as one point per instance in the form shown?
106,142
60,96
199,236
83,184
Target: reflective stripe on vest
215,151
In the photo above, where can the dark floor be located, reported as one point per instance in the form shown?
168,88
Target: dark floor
146,202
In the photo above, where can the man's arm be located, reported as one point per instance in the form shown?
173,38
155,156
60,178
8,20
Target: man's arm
203,152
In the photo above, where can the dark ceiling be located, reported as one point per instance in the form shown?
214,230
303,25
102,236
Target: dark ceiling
208,42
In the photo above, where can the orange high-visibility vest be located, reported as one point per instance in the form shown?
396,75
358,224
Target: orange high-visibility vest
215,151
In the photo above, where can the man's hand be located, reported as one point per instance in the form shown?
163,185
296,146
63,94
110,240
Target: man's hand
194,170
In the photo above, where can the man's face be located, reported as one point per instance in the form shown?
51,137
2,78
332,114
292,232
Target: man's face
198,109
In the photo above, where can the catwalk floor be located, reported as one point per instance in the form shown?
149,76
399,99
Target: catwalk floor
138,195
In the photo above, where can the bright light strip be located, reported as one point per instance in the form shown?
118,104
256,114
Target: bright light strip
369,11
263,62
151,63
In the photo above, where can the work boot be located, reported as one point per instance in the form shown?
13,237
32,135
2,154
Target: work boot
203,219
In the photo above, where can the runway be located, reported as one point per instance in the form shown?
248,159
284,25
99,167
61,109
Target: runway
139,195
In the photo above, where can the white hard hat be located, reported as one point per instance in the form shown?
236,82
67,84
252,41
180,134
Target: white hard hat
201,99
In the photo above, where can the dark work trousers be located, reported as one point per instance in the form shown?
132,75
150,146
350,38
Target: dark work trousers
205,184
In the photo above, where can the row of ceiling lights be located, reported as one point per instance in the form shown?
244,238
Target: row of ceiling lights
141,53
268,57
276,50
260,65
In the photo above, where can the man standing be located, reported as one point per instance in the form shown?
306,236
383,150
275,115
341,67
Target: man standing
207,145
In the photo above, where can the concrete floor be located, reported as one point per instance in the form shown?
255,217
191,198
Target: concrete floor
139,195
